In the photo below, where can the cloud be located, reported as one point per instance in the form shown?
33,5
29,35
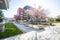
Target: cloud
52,6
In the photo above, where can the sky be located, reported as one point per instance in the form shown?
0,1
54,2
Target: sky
52,6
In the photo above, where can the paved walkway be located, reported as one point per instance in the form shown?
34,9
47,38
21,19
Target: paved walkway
24,28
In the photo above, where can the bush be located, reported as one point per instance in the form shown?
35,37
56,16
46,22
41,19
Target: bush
58,19
1,20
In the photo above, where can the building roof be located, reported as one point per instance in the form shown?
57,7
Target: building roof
4,4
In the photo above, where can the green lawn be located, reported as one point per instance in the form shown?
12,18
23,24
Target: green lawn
10,30
56,22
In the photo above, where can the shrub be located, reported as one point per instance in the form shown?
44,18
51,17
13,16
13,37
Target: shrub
1,20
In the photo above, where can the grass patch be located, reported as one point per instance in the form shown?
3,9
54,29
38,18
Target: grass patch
56,22
10,30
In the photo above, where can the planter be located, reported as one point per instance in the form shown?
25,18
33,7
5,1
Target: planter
36,26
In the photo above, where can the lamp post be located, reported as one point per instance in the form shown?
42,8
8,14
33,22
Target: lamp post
4,4
1,21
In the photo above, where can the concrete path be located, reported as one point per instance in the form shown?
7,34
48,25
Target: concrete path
24,28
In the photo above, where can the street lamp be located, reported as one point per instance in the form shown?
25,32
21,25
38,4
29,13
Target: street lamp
4,4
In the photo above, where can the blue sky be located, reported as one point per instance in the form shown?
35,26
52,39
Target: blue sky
53,6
